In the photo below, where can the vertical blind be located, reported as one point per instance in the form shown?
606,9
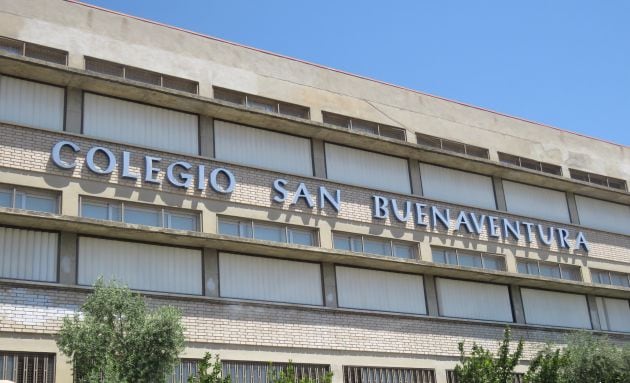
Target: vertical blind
28,254
31,103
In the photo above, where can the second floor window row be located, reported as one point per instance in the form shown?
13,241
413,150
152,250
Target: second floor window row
364,126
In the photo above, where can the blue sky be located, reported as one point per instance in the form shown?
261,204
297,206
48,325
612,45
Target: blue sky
564,63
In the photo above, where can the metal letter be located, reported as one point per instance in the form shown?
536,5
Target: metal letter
528,231
125,167
186,177
278,186
563,235
201,177
324,196
420,215
95,168
215,185
302,192
547,241
380,207
402,217
477,222
493,229
581,242
508,229
149,170
436,215
462,219
56,154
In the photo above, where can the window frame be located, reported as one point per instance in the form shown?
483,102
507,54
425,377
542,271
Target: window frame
286,229
439,143
123,205
387,241
584,176
511,159
481,254
277,105
328,116
14,190
560,266
610,273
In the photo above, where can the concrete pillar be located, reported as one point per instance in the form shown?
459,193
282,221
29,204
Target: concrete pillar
74,110
210,272
414,176
573,210
206,136
499,194
330,285
594,312
517,304
68,258
319,158
431,293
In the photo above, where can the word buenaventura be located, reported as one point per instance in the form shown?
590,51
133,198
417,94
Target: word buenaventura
181,174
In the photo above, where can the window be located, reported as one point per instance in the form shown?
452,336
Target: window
372,245
139,214
452,146
516,377
34,51
387,375
186,369
364,126
141,75
29,199
466,258
530,164
605,277
261,103
259,372
266,231
549,270
26,367
597,179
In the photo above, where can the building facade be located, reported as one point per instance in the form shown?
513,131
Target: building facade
290,211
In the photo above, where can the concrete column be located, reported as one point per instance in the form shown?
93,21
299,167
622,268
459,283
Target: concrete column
414,176
210,272
74,110
68,258
594,312
430,291
319,158
499,194
517,304
573,210
206,136
330,285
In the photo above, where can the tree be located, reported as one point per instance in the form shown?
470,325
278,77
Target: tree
546,367
589,358
115,338
209,372
288,375
483,367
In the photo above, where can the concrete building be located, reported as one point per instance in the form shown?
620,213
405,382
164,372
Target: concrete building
290,211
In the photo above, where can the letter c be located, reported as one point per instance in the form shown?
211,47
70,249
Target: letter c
56,154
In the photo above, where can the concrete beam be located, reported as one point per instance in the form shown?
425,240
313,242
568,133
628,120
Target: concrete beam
330,285
74,110
210,272
499,193
573,210
594,312
431,293
319,158
68,258
206,136
414,176
517,304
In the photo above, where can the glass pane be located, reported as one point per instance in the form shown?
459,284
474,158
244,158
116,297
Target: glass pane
451,257
550,271
403,251
94,210
439,256
521,267
228,227
357,244
269,233
334,119
532,268
245,229
341,242
261,104
619,280
142,216
364,126
492,263
40,203
6,198
182,221
604,278
376,247
470,260
571,273
301,237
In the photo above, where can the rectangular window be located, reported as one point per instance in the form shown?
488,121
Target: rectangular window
549,270
261,103
30,103
373,245
139,214
473,300
551,308
364,126
29,199
452,146
447,184
353,374
603,215
259,372
605,277
598,179
28,254
467,258
516,377
141,75
267,231
34,51
530,164
27,367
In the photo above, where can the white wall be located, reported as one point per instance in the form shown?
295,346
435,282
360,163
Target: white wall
552,308
140,266
262,148
28,254
30,103
473,300
536,202
457,186
603,215
380,290
268,279
614,314
363,168
139,124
